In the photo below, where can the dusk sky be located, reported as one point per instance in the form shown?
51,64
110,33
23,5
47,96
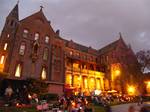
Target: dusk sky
93,23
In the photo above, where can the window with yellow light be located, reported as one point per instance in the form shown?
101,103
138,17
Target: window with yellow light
68,80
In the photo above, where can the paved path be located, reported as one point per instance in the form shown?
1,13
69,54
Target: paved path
124,107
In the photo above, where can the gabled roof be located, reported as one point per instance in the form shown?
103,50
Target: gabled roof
38,14
111,46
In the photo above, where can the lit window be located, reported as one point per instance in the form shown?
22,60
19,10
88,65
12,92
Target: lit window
25,33
85,83
45,55
46,39
78,55
92,84
8,35
18,71
43,75
36,36
2,59
5,46
98,84
22,48
71,52
68,79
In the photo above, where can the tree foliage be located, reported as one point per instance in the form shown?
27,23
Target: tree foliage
37,86
143,57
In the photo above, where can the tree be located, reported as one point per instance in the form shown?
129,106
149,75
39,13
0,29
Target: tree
36,86
143,57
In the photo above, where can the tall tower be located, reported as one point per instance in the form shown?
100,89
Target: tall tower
7,39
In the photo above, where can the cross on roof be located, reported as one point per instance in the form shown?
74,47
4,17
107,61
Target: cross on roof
41,7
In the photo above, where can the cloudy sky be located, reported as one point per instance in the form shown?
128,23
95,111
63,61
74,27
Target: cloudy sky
93,23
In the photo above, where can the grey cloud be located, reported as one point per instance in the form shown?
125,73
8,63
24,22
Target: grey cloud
92,22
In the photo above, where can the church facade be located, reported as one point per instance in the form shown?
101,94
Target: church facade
30,48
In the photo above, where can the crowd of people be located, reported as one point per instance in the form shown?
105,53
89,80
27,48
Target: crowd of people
78,103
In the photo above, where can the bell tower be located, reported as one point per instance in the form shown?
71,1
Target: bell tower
7,38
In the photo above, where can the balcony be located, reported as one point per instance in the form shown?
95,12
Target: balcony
91,72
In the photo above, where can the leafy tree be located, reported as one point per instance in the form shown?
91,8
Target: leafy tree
143,57
36,86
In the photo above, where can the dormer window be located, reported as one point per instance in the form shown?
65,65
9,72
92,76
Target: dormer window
46,39
25,33
36,36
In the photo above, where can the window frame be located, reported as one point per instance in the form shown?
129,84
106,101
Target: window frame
36,36
44,67
47,37
24,48
21,66
5,46
25,33
3,59
44,53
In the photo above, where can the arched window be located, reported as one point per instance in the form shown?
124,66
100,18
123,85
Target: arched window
2,59
43,75
46,39
5,46
18,71
22,48
36,36
25,33
45,55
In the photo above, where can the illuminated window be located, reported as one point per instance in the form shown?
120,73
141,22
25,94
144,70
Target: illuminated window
8,35
2,59
98,86
92,84
25,33
18,71
85,83
46,39
45,55
78,54
71,53
5,46
68,79
22,48
36,36
75,80
43,75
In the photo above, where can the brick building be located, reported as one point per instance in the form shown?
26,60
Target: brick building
31,48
